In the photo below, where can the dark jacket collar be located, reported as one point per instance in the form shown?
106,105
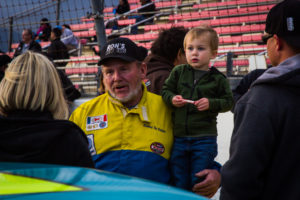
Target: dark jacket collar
27,114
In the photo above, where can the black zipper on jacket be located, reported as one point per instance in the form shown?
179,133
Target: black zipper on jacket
193,88
186,119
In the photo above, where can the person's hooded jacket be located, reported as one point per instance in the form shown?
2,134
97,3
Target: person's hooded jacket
158,70
264,161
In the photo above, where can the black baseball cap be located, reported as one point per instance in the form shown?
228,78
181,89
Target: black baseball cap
124,49
284,20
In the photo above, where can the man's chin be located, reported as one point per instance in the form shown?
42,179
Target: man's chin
122,98
126,98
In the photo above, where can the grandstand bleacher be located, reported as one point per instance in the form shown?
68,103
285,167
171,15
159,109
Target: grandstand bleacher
239,23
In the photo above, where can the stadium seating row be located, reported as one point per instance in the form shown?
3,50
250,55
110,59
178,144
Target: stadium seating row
244,50
222,40
240,29
81,70
220,30
226,4
88,26
136,4
90,33
214,22
222,13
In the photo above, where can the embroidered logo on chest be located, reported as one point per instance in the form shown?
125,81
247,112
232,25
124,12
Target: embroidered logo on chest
157,147
97,122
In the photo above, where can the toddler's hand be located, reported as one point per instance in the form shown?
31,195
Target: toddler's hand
178,101
202,104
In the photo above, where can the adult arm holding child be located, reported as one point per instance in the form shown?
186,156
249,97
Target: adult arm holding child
210,185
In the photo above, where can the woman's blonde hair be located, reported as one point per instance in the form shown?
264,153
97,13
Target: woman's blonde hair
31,82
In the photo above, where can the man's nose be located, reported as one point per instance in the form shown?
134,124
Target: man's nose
117,75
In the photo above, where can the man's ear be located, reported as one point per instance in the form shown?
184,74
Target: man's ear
143,69
279,43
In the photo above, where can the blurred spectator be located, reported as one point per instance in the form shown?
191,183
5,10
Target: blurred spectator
43,33
166,52
123,7
68,38
27,43
71,93
33,113
143,14
150,8
4,61
57,49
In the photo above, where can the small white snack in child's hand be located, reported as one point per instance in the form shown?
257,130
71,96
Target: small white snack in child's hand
189,101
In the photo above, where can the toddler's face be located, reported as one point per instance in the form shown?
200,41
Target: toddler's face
198,52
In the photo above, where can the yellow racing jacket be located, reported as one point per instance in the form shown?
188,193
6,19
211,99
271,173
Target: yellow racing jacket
135,141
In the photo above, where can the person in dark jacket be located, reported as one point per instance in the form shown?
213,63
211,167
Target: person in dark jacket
147,11
123,7
245,83
264,160
33,116
44,31
27,43
71,93
57,49
166,52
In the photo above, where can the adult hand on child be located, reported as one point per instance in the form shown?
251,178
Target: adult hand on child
202,104
210,185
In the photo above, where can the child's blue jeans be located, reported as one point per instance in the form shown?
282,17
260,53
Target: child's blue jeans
189,156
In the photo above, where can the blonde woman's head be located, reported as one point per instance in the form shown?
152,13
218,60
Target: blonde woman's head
31,82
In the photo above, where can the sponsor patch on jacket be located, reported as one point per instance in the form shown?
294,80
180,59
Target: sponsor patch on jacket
97,122
91,144
147,82
157,147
